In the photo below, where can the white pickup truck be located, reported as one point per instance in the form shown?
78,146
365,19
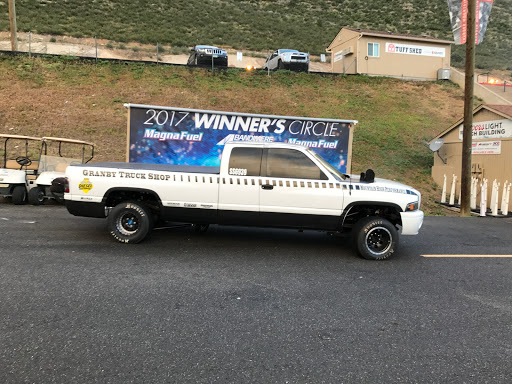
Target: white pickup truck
257,184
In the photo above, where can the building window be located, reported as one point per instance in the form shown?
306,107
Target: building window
373,50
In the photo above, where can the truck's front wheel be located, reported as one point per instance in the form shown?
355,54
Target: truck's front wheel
375,238
130,222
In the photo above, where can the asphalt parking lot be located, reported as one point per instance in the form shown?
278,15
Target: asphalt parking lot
240,305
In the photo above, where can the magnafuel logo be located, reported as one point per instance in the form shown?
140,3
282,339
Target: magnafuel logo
172,136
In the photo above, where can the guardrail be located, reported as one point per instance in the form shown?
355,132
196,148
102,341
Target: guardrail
147,62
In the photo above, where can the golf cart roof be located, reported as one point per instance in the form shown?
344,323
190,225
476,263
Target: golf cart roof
19,137
62,140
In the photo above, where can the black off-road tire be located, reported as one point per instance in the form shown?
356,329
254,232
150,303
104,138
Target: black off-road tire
19,195
130,222
375,238
280,65
36,196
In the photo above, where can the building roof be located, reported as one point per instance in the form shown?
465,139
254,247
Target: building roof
500,109
403,36
503,109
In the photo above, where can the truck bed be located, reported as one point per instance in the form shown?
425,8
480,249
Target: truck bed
155,167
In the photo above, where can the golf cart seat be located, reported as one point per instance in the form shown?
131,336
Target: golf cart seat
12,164
61,167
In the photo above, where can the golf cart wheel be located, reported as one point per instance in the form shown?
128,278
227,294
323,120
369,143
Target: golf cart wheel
19,195
36,196
130,222
375,238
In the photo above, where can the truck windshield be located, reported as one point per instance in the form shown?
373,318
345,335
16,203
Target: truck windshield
335,172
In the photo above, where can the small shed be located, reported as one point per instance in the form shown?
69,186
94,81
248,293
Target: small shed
377,53
492,147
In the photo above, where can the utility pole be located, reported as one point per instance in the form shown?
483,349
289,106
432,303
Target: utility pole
12,21
467,133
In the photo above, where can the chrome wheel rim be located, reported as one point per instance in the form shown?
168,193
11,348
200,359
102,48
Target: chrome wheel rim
378,241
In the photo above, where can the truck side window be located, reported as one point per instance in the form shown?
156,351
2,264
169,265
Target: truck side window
245,161
289,163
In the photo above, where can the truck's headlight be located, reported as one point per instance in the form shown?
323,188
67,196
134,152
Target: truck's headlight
411,207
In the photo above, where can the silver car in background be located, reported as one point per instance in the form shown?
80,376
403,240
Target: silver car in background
288,59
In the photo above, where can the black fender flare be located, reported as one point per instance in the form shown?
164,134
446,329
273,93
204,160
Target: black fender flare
349,207
110,191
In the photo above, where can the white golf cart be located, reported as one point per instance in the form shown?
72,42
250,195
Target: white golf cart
56,154
17,172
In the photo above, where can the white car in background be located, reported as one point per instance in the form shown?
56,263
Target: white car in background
288,59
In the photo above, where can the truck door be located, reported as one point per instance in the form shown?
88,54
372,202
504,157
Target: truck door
239,190
296,193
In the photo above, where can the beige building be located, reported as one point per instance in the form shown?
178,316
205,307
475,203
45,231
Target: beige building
374,53
492,148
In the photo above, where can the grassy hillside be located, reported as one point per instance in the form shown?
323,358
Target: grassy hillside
71,99
309,25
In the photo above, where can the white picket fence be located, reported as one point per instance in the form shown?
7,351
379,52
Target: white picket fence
494,206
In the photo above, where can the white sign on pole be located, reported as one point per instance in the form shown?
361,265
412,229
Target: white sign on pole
494,129
408,49
486,148
239,56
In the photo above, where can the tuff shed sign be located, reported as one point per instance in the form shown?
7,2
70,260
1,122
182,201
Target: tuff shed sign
407,49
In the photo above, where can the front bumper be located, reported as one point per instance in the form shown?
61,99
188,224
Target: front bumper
296,65
205,59
411,222
6,189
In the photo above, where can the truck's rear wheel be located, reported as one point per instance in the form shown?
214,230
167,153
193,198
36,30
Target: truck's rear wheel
375,238
19,195
130,222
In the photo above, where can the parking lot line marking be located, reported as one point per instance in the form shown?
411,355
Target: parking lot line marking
466,255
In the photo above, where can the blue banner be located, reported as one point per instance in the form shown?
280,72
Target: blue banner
164,135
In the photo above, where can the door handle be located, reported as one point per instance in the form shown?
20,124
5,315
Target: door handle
267,186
